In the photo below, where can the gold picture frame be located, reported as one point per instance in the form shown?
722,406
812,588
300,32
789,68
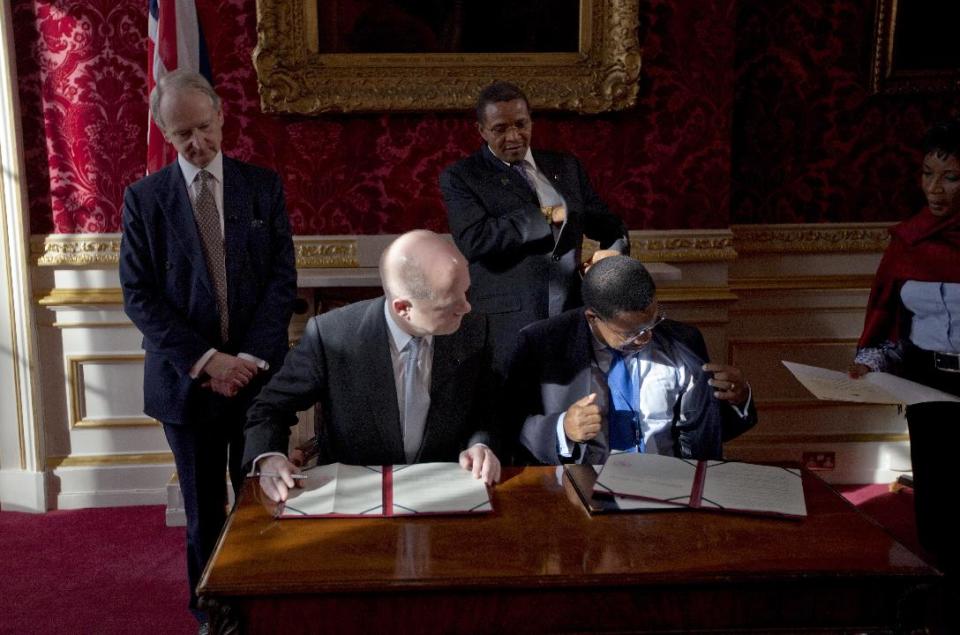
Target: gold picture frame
914,48
294,77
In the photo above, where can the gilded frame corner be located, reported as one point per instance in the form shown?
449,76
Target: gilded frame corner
885,75
294,78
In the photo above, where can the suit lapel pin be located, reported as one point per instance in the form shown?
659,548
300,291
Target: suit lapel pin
504,180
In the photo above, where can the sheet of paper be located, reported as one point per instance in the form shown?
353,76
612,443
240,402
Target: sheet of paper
910,392
337,489
626,503
748,487
427,488
317,495
662,478
359,490
880,388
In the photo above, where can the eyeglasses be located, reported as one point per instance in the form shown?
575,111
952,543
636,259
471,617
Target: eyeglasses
639,333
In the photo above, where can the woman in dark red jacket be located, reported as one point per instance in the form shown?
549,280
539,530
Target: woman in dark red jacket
912,329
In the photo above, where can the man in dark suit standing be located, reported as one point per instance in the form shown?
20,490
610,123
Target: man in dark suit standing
619,376
208,276
404,378
519,216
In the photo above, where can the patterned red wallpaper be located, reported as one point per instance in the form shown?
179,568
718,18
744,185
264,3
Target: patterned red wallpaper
82,75
749,111
810,142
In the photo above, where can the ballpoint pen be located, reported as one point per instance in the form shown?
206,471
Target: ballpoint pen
296,477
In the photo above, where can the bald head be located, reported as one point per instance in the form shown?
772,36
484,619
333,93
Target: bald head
425,279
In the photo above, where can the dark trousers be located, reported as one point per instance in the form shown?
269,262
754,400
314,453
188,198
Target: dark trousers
934,447
203,449
934,442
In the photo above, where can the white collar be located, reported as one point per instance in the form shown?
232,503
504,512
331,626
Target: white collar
190,171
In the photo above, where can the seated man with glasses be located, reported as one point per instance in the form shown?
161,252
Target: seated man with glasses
617,376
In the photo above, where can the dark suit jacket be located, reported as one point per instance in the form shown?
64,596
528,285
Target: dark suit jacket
496,222
552,370
342,364
168,293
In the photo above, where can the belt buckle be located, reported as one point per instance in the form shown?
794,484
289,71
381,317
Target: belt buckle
947,362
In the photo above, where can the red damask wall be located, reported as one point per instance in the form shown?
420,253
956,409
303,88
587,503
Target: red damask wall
82,66
749,111
810,142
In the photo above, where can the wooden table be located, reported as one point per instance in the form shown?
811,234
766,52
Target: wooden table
540,563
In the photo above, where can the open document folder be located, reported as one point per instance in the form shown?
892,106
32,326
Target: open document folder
716,485
387,490
833,385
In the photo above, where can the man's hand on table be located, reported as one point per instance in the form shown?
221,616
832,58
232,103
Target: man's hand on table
481,460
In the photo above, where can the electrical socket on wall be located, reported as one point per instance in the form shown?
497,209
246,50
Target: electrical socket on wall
822,461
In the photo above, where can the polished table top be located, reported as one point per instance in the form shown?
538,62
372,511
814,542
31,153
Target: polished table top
540,536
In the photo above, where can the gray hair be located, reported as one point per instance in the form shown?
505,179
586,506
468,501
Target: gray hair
178,81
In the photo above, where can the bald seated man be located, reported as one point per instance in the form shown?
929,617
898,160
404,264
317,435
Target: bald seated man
403,378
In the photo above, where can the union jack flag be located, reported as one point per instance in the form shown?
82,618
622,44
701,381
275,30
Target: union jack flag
175,41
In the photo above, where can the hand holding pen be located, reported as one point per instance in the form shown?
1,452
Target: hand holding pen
278,476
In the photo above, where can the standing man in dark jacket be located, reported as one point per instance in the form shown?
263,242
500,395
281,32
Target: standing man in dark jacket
208,276
519,216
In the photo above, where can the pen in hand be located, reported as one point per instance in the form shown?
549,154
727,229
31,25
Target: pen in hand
296,477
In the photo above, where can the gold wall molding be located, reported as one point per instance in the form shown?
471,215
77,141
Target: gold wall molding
326,253
79,297
695,294
796,310
796,439
90,325
812,403
84,250
131,422
675,245
792,341
294,76
76,388
796,283
682,245
811,238
106,460
76,250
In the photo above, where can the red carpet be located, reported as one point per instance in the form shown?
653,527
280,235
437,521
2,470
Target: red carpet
892,510
120,570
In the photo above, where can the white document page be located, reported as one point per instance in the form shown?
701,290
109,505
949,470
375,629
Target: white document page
662,478
337,489
748,487
426,488
624,502
359,490
882,388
